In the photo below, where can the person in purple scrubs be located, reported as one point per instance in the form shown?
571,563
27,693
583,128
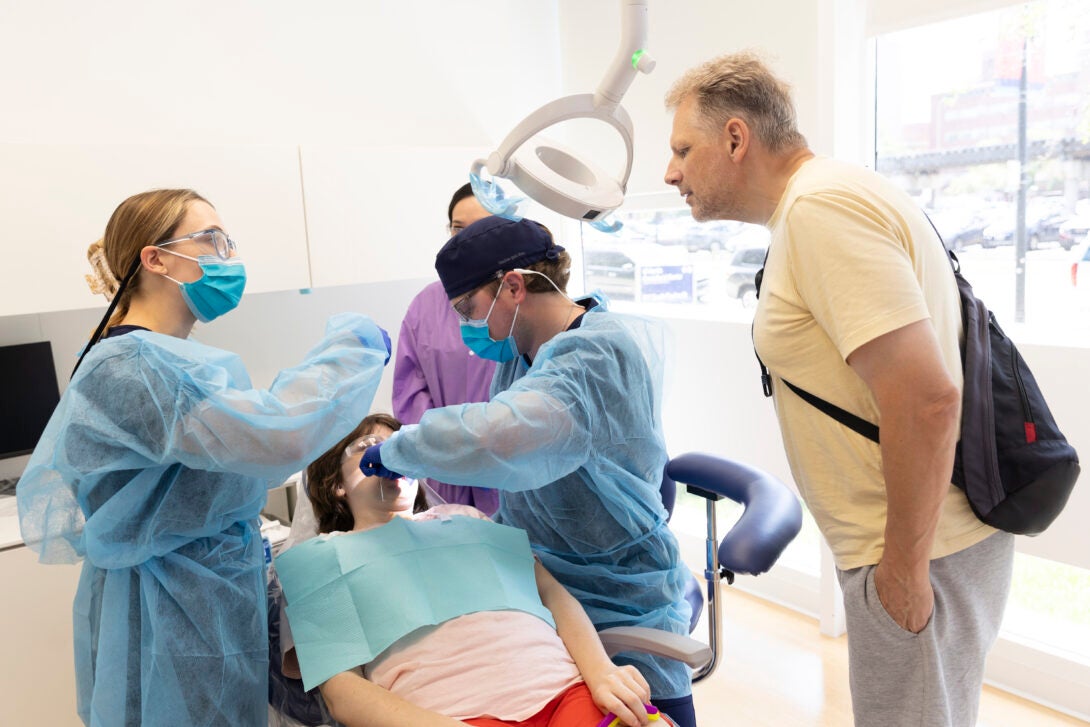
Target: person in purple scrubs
433,367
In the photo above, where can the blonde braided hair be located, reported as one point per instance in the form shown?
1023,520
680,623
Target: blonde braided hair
101,279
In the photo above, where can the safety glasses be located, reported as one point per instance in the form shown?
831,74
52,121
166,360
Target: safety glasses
463,307
359,446
219,240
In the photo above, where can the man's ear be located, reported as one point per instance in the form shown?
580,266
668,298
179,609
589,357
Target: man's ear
736,135
516,283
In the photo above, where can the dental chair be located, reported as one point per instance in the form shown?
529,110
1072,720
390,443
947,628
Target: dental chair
771,519
289,704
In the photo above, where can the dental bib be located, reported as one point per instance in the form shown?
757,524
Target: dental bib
352,596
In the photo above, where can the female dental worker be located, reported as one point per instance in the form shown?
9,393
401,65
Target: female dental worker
432,367
571,436
155,464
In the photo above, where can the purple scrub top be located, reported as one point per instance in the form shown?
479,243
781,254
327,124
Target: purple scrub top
434,368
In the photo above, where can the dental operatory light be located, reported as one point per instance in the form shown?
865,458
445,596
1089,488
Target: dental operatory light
553,175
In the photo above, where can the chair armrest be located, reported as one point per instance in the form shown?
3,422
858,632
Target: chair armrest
657,643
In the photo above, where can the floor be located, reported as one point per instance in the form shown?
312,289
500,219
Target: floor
779,670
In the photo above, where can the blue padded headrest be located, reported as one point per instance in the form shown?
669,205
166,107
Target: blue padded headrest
668,491
772,516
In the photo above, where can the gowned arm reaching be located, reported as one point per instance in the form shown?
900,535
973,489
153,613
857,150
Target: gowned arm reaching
273,432
618,689
521,440
356,702
919,406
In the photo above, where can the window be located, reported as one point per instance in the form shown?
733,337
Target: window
665,263
1049,605
992,136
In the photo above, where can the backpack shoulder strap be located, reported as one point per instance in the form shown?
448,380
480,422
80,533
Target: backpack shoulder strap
851,421
954,262
766,377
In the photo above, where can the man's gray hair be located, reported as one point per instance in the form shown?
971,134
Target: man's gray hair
741,85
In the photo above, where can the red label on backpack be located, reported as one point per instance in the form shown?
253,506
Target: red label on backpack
1031,432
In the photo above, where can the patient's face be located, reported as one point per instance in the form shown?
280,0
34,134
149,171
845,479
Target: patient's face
375,494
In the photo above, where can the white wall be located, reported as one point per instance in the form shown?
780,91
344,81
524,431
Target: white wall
333,78
353,72
115,86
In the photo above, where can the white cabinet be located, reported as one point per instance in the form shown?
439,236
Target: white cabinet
55,201
37,670
379,214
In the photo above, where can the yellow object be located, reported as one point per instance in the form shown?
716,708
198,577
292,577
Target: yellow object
653,717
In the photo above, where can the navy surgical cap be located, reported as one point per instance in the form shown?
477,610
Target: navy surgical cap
491,245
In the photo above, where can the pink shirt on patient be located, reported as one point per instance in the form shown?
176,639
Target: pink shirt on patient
502,664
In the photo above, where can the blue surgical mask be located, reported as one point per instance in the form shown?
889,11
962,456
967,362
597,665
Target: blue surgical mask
475,336
218,290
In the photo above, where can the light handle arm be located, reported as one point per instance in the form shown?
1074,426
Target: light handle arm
631,56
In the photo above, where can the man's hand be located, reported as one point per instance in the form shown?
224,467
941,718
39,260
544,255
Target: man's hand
919,408
907,598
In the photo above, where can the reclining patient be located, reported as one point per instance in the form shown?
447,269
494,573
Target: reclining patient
437,618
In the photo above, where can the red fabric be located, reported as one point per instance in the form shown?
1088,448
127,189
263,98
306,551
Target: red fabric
1031,432
573,708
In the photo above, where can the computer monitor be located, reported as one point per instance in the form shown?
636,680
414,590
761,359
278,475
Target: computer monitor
28,395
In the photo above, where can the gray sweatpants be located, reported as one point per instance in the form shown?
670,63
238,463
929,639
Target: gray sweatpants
933,678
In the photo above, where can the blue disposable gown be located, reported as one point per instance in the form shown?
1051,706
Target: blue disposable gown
575,442
153,469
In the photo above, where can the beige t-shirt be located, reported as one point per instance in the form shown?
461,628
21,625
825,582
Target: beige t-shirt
851,258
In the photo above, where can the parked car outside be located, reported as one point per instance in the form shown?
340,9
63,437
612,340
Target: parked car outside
960,228
641,272
715,236
1048,230
610,271
1080,274
695,236
1041,229
748,258
1074,230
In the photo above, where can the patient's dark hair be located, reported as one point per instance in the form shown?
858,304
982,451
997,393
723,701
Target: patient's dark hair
324,477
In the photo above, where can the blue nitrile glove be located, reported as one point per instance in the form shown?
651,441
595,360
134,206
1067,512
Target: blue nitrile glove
386,340
371,464
364,330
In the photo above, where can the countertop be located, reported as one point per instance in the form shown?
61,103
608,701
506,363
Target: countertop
9,523
11,538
